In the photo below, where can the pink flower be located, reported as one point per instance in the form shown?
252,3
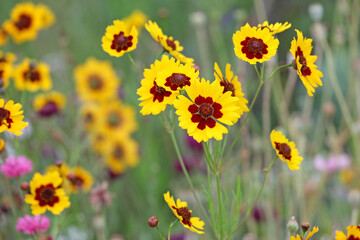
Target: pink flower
332,163
32,224
16,166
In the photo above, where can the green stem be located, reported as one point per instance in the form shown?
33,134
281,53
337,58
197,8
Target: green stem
257,198
208,157
219,203
277,69
132,61
170,228
162,52
162,237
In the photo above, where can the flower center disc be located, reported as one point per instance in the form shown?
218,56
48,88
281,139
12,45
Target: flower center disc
5,116
285,150
171,44
47,194
185,214
177,80
118,152
206,110
23,22
121,42
95,82
255,45
49,109
114,119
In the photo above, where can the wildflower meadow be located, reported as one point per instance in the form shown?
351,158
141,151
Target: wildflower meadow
180,120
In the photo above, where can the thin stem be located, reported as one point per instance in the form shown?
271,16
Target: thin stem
171,226
132,61
162,52
208,157
162,237
277,69
257,198
219,203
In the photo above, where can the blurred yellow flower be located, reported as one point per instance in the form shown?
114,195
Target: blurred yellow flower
118,39
254,45
304,63
285,150
96,81
6,66
310,234
3,36
47,17
89,114
79,179
24,23
11,118
137,18
32,76
49,104
183,213
275,28
353,233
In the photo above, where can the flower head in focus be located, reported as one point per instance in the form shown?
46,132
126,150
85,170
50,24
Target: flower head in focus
285,150
11,117
32,224
183,213
353,233
275,28
16,166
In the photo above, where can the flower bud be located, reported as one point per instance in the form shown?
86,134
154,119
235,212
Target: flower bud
153,221
292,226
58,163
305,227
25,186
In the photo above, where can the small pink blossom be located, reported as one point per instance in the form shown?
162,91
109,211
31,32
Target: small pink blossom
16,166
332,163
32,224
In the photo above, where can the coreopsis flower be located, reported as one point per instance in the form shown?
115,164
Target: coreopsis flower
47,17
3,36
231,84
168,43
254,45
46,193
121,153
153,96
32,76
310,234
79,179
285,150
49,104
275,28
16,166
304,63
183,213
118,39
353,233
89,114
32,224
96,81
137,18
11,118
24,23
207,110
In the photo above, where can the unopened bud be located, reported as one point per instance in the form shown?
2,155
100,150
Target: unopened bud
292,226
305,227
58,163
196,67
24,186
153,221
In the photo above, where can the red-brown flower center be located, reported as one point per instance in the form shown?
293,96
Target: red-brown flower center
177,80
23,22
185,213
305,70
159,93
32,74
254,48
118,152
50,108
46,195
204,112
77,181
95,82
352,237
114,119
5,116
121,42
284,150
228,87
171,44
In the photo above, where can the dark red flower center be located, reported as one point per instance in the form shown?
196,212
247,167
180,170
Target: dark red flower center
50,108
204,111
23,22
254,48
185,213
118,152
77,181
159,93
305,70
284,150
1,73
95,82
352,237
88,118
121,42
114,119
171,44
228,87
2,59
45,194
32,74
5,116
177,80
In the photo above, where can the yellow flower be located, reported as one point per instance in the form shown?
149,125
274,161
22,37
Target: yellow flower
49,104
231,84
275,28
118,39
11,117
168,43
3,36
99,140
254,45
46,193
89,114
183,213
63,171
121,153
96,81
79,179
208,108
310,234
9,58
353,233
304,63
32,76
24,23
2,145
6,66
137,18
47,17
153,96
285,150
